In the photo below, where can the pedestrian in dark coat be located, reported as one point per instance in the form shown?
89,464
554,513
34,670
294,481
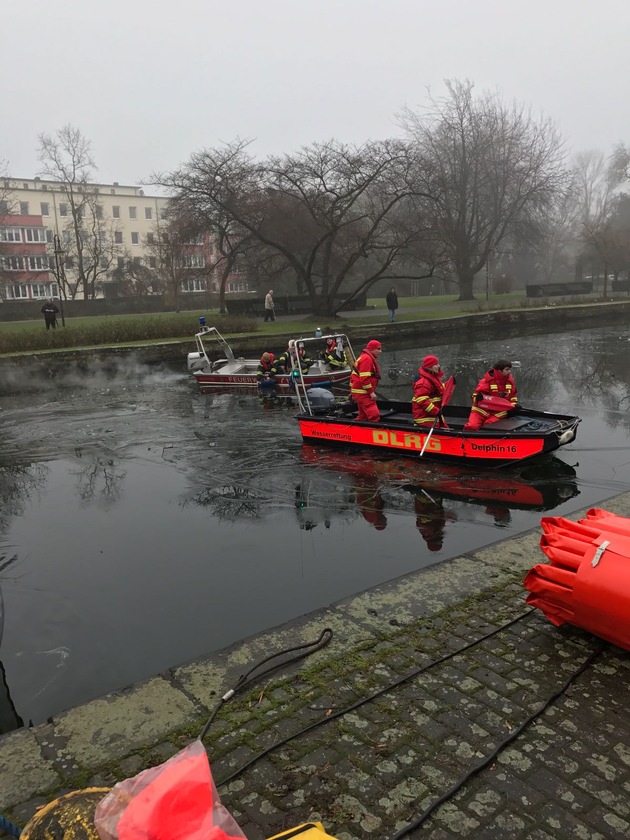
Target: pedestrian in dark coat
49,311
392,303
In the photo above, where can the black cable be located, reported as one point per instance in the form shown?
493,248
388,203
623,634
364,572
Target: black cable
371,697
492,756
247,678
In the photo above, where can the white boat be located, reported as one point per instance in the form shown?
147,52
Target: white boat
238,373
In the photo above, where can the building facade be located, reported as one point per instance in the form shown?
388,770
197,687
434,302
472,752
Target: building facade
24,266
122,230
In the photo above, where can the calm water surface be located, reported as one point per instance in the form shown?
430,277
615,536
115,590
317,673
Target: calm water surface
143,524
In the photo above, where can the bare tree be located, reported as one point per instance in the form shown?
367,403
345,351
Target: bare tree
488,165
602,209
88,239
6,200
332,213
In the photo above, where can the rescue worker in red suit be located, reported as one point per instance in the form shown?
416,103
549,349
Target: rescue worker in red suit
364,378
265,365
497,382
426,403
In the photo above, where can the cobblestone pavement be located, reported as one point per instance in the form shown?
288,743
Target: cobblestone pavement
418,687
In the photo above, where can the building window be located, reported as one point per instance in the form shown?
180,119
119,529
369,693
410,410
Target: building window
38,263
121,262
4,208
135,238
152,262
35,234
17,291
42,290
116,211
98,211
193,286
45,206
133,213
103,262
148,213
118,237
63,208
194,261
163,213
23,208
150,239
12,263
10,234
137,260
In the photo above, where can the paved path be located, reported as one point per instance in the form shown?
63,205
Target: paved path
395,725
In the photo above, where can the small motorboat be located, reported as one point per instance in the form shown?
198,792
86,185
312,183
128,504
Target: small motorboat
237,373
523,435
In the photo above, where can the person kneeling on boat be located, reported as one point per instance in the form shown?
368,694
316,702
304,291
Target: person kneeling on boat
426,403
364,378
497,382
265,367
334,354
283,362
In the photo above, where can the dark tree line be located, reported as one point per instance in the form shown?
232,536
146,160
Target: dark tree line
333,219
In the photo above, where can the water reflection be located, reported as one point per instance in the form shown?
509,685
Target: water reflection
9,718
541,486
208,520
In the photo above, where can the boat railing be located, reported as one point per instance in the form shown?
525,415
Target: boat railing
297,374
212,333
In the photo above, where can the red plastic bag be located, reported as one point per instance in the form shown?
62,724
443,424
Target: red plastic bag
175,801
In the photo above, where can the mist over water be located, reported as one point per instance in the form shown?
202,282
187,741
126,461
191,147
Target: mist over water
143,524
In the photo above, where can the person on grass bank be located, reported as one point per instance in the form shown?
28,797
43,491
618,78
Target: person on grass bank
364,379
391,299
426,403
49,311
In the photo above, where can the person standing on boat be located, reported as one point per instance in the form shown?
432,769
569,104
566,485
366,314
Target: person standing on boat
391,299
49,311
334,353
497,382
364,378
270,312
265,367
426,403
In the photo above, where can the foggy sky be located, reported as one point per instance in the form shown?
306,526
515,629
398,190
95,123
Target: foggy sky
150,82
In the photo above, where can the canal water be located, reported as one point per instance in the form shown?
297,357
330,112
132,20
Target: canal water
143,524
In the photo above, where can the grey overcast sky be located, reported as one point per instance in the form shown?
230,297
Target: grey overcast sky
150,82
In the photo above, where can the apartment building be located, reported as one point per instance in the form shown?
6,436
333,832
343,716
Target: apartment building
24,263
129,222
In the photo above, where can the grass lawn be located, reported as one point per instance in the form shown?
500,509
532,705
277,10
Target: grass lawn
25,336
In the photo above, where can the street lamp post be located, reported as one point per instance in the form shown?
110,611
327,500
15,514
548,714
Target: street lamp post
59,252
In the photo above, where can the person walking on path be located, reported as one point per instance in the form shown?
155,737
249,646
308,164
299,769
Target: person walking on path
49,311
270,313
392,303
364,378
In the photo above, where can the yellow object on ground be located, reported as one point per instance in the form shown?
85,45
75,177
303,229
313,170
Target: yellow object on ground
306,831
71,817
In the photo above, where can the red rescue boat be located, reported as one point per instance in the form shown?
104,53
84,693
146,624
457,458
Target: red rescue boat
523,435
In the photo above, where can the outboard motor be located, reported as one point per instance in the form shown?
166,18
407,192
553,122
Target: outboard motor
321,401
195,361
